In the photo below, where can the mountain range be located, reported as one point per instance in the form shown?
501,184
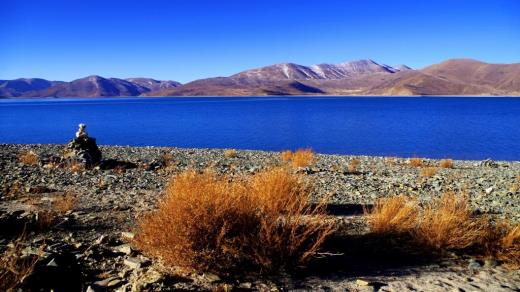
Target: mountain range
362,77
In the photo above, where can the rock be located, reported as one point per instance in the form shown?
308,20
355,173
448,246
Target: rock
488,163
360,282
127,235
474,264
212,278
123,248
84,148
108,282
89,289
52,263
133,263
245,285
489,190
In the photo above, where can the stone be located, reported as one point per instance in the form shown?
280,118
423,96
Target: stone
473,264
108,282
123,248
84,148
133,263
489,190
127,235
360,282
245,285
212,277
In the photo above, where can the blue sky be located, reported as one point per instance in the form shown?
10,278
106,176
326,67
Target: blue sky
187,40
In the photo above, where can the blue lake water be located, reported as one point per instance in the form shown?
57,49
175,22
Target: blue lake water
436,127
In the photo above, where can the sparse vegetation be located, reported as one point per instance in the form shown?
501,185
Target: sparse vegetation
28,158
446,163
428,171
353,165
443,224
261,223
286,155
300,158
14,266
416,162
230,153
393,215
66,202
76,166
448,224
503,243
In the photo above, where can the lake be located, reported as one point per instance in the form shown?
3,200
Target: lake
434,127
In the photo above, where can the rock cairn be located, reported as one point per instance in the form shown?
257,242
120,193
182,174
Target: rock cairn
84,148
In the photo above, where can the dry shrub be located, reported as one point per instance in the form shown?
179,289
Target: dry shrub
303,158
286,155
443,224
119,169
393,215
28,158
448,224
262,222
503,243
65,203
14,266
391,161
76,166
416,162
167,159
300,158
514,188
45,219
230,153
428,171
353,165
446,163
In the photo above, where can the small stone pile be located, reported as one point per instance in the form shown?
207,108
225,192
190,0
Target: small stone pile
83,148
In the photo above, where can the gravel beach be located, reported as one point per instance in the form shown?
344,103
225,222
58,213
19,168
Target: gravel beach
91,241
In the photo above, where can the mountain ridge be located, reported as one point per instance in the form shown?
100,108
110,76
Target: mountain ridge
359,77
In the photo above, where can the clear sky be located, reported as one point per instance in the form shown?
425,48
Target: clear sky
192,39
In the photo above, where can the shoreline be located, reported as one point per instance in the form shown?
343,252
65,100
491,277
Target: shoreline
95,233
275,151
247,96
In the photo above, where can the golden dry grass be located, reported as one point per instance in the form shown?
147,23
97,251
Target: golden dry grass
65,203
76,166
14,267
446,163
230,153
444,224
416,162
262,222
28,158
448,224
353,165
393,215
286,155
503,243
428,171
299,158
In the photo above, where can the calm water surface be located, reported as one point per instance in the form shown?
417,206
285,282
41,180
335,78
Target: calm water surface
436,127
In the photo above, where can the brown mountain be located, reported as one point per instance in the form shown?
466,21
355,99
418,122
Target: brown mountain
18,87
280,79
94,86
364,77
